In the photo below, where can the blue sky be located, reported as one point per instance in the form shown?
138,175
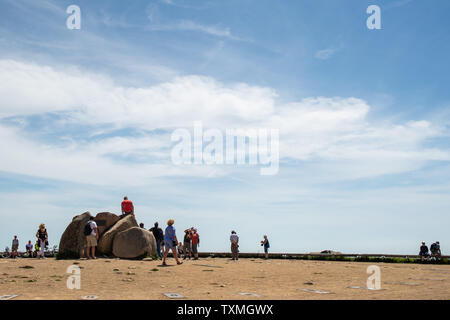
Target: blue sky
86,117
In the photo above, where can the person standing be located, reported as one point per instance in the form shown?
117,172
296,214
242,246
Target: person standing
195,239
159,237
127,206
187,244
91,238
42,236
15,247
266,245
29,249
234,239
170,242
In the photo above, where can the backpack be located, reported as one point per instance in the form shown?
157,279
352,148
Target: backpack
87,229
433,247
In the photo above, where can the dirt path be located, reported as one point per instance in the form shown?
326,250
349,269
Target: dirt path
215,278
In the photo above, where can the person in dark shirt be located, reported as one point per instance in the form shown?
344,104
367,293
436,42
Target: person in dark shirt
435,249
266,245
424,252
159,237
187,244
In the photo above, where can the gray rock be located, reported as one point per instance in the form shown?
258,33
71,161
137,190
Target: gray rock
105,220
73,240
133,243
105,244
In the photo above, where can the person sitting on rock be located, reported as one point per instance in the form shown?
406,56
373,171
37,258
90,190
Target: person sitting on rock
127,206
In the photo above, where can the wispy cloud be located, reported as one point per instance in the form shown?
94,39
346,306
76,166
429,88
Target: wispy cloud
325,53
189,25
396,4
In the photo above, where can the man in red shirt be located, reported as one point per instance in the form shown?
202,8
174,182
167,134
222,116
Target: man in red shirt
195,238
127,206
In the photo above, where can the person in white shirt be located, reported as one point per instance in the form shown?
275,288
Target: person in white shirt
91,239
234,239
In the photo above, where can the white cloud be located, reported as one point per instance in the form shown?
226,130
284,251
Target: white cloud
325,53
332,136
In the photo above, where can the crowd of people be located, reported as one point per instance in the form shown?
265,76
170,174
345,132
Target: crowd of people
39,247
166,241
434,252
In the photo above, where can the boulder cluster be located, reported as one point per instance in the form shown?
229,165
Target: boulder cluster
119,236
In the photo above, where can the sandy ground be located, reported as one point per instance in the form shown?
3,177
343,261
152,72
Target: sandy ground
216,278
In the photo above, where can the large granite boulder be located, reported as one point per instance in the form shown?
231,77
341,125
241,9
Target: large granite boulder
73,240
134,243
105,220
105,243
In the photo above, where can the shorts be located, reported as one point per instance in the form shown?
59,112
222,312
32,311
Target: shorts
187,246
91,240
266,250
169,244
194,248
15,248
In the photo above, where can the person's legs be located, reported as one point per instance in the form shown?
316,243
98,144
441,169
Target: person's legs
174,252
158,248
93,252
166,251
234,252
194,251
42,254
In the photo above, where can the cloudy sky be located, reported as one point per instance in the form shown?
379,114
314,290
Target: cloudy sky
86,117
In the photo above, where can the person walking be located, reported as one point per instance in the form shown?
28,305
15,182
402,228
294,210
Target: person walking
159,237
42,236
127,206
170,242
266,245
15,247
91,233
187,244
234,239
195,239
